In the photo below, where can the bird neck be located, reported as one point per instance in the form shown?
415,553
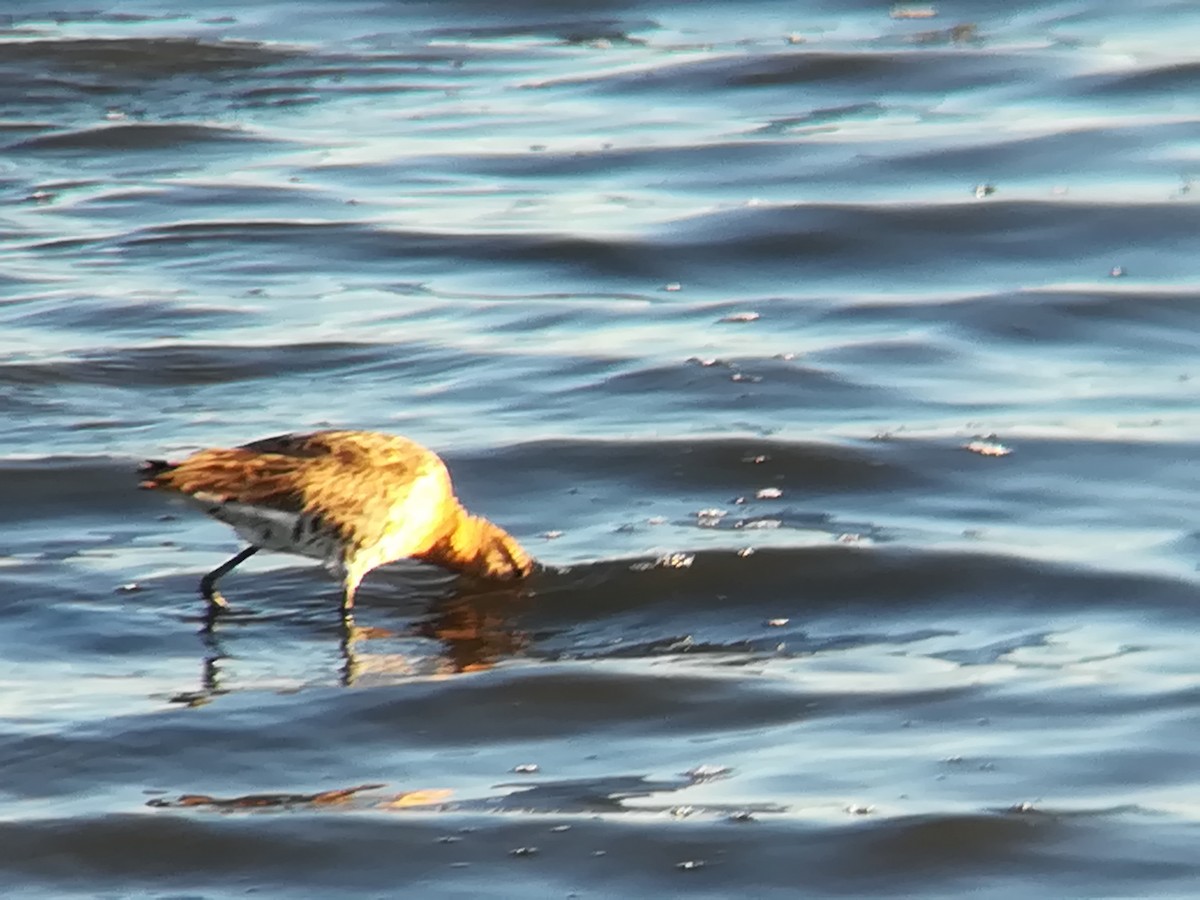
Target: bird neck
475,546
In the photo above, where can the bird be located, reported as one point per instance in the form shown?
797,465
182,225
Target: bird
353,499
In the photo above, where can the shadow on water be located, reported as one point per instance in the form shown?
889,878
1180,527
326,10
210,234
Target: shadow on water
610,794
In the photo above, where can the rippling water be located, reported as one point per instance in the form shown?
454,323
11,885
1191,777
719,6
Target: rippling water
839,360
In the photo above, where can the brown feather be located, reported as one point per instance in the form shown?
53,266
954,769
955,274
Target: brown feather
384,497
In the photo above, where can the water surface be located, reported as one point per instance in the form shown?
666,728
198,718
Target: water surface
838,361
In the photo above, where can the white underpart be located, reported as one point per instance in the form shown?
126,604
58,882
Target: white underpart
275,529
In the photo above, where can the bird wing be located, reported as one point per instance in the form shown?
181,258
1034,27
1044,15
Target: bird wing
238,475
346,476
302,446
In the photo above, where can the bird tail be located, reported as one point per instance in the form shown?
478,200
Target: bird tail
151,470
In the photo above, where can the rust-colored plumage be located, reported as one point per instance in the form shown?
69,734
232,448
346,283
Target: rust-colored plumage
354,499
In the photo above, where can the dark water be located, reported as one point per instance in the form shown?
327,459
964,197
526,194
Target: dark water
730,313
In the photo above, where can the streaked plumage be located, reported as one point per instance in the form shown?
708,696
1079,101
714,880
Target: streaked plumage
353,499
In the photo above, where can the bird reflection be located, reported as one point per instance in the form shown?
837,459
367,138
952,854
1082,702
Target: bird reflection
472,630
478,630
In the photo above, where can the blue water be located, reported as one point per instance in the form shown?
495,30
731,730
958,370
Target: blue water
839,360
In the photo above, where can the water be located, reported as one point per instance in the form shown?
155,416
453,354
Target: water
840,365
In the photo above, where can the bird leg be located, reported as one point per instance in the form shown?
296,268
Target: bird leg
208,584
351,576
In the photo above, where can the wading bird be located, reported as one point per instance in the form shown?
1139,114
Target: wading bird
353,499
